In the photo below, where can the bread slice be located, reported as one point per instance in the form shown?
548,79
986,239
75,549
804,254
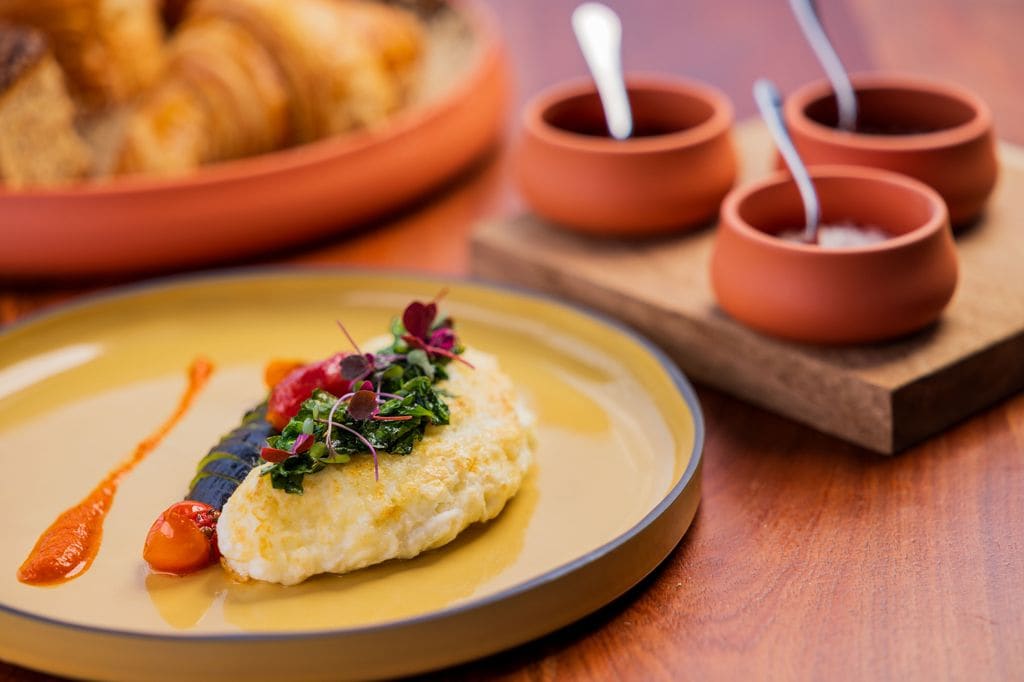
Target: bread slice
38,142
110,50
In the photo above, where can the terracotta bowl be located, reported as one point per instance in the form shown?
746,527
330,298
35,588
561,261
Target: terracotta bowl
835,296
936,132
263,204
670,176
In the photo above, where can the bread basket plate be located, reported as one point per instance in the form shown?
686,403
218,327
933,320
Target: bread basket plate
614,485
239,208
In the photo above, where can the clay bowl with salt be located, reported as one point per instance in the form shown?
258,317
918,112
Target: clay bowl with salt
669,176
884,264
936,132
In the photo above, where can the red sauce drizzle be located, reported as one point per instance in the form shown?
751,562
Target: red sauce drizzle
67,548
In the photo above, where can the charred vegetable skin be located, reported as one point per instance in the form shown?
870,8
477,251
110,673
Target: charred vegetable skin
230,460
183,538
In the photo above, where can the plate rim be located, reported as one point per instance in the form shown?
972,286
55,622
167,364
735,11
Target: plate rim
678,379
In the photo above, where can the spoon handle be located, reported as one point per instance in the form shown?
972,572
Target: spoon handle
769,102
810,23
599,33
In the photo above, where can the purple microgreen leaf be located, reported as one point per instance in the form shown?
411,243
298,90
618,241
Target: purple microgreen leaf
442,338
355,367
302,443
274,455
363,405
418,317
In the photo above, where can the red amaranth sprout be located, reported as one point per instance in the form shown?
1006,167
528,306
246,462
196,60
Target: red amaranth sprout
362,404
303,443
418,318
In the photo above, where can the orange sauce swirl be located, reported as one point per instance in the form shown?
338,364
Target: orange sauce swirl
67,548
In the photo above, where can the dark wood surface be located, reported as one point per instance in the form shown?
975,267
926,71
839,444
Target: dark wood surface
809,558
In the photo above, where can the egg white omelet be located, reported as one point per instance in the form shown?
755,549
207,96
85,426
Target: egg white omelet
457,475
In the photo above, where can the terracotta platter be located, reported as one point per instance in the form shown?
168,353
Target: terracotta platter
250,206
614,486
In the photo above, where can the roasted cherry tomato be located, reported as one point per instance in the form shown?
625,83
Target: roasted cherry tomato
183,538
288,395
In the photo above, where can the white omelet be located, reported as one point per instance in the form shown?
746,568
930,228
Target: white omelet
457,475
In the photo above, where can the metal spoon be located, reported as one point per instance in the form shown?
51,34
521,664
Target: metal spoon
599,33
806,13
769,102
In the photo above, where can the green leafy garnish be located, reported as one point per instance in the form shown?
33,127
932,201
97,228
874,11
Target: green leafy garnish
392,401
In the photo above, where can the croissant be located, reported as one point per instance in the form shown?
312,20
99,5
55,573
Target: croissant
249,76
110,50
38,141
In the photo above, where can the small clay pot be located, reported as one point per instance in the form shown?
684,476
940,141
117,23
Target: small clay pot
857,294
671,175
939,133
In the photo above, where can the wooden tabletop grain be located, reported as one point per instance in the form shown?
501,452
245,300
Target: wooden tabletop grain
809,558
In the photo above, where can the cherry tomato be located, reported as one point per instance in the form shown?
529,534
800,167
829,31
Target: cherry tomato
183,538
288,395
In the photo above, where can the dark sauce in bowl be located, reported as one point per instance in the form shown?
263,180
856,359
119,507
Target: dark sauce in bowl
894,112
654,114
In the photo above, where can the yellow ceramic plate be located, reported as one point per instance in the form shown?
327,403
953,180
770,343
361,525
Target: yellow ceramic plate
614,487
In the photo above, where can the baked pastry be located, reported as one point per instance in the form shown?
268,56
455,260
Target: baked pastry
223,98
249,76
109,49
38,142
346,63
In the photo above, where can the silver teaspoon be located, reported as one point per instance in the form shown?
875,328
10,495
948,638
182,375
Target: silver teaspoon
769,102
599,34
810,23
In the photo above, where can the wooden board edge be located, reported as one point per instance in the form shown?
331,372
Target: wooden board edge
995,373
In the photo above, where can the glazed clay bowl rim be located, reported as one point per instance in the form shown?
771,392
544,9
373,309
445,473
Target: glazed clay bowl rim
937,221
979,124
487,50
719,123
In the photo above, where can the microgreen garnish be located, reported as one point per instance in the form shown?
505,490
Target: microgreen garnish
362,405
391,402
355,367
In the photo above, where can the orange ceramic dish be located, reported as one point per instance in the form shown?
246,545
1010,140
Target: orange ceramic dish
670,176
254,205
849,295
938,133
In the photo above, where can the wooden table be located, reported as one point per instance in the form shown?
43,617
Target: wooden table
809,558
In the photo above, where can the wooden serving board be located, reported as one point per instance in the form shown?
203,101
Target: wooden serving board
884,396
